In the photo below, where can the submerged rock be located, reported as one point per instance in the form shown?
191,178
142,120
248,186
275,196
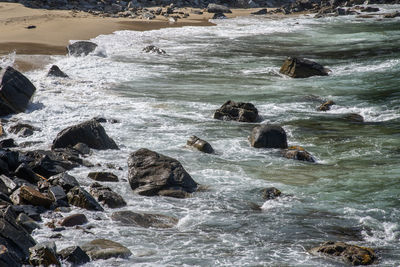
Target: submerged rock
56,72
237,111
81,48
144,220
353,117
302,68
298,153
23,129
200,144
104,249
326,106
268,136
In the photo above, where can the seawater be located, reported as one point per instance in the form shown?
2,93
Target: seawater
352,194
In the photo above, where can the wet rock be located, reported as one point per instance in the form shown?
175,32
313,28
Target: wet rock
302,68
353,117
268,136
103,176
5,143
7,186
237,111
9,160
214,8
369,9
262,11
173,193
32,211
90,133
73,220
44,254
81,48
352,254
392,15
106,196
219,16
326,106
56,72
16,91
254,206
66,181
271,193
29,195
4,199
25,172
298,153
144,220
105,249
79,197
151,172
74,255
58,195
154,49
7,258
200,144
27,222
82,148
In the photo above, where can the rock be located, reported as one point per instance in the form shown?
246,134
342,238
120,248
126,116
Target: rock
7,185
81,48
27,223
144,220
79,197
326,106
150,172
262,11
200,144
5,143
353,117
148,16
214,8
370,9
106,196
352,254
73,220
298,153
16,91
302,68
28,195
105,249
219,16
392,15
82,148
9,160
44,254
7,258
271,193
74,255
58,195
32,211
90,133
153,49
103,176
23,129
173,193
237,111
56,72
66,181
25,172
268,136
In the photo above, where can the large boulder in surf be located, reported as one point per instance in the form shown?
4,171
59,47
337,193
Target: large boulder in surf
302,68
237,111
56,72
268,136
79,197
199,144
352,254
106,196
104,249
81,48
151,172
15,91
89,132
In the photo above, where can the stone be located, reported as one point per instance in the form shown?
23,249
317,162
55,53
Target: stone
25,172
11,160
105,249
7,258
44,254
73,220
352,254
214,8
103,176
326,106
82,148
268,136
302,68
89,132
392,15
173,193
106,196
58,195
262,11
370,9
81,48
237,111
150,172
74,255
23,129
29,195
353,117
16,91
56,72
148,16
30,210
27,222
144,220
154,49
271,193
219,16
7,185
79,197
66,181
298,153
200,144
9,142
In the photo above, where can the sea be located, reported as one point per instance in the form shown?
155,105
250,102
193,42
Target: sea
351,194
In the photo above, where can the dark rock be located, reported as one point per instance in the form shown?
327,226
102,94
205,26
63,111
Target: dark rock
5,143
44,254
154,49
73,220
237,111
103,176
27,222
392,15
56,72
268,136
29,195
32,211
173,193
262,11
90,133
353,117
144,220
4,199
79,197
16,92
254,206
7,185
11,158
81,48
298,153
302,68
370,9
105,249
200,144
58,195
82,148
352,254
326,106
214,8
66,181
148,16
106,196
219,16
150,172
25,172
74,255
271,193
8,258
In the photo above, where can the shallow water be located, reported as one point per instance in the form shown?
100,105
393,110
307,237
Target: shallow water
351,194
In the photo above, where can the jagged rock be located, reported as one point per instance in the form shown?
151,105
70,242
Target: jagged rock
154,49
369,9
7,186
268,136
219,16
58,195
353,117
32,211
326,106
79,197
150,172
144,220
74,255
25,172
237,111
262,11
9,160
106,196
302,68
7,258
73,220
82,148
298,153
44,254
16,91
105,249
200,144
214,8
28,195
89,132
5,143
81,48
66,181
352,254
56,72
271,193
27,222
103,176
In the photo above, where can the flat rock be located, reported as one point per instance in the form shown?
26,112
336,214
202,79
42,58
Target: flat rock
302,68
29,195
79,197
237,111
105,249
73,220
144,220
200,144
74,255
81,48
268,136
214,8
106,196
103,176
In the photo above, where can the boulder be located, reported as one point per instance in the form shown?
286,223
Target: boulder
74,255
106,196
103,176
30,210
150,172
271,193
56,72
298,153
262,11
15,91
66,181
219,16
44,254
29,195
58,195
351,254
7,258
81,48
105,249
7,186
79,197
73,220
27,222
326,106
154,49
25,172
237,111
302,68
353,117
370,9
200,144
82,148
144,220
90,133
214,8
5,143
268,136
